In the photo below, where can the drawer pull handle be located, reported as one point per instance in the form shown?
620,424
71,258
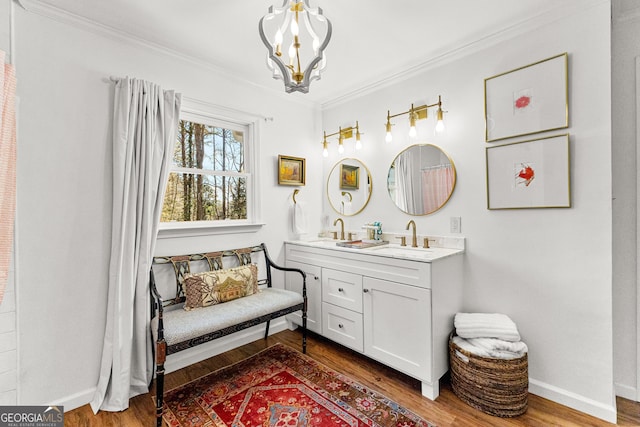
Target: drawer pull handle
365,290
315,278
340,290
340,325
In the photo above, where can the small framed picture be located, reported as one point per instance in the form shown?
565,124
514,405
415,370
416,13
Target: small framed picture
527,100
291,170
349,177
529,174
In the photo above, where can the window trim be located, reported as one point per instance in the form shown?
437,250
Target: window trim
207,113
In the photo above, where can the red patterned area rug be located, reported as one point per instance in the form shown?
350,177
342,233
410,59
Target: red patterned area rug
281,387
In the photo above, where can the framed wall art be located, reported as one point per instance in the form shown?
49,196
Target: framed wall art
349,177
529,174
291,170
527,100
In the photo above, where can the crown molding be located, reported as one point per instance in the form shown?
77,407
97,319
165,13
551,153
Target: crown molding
97,28
471,46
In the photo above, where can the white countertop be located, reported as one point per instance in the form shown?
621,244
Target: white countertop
389,250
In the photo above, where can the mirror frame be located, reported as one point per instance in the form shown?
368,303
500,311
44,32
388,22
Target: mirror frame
453,187
370,182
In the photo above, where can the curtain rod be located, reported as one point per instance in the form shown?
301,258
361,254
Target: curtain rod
115,79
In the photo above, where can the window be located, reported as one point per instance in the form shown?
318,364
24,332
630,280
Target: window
211,176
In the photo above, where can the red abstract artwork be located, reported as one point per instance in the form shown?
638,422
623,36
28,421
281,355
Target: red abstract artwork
526,174
523,102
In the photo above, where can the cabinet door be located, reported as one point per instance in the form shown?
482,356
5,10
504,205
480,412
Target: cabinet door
397,326
342,289
293,282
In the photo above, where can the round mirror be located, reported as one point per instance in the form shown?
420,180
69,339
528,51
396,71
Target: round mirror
349,187
421,179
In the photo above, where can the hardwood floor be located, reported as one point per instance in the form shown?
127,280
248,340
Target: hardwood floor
447,410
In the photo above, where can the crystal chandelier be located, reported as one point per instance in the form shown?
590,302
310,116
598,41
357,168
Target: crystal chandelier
305,33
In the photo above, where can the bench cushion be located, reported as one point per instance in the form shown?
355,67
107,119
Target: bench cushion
181,325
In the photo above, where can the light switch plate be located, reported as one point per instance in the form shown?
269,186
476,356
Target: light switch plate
456,224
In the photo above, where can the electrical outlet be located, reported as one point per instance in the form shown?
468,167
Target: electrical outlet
456,224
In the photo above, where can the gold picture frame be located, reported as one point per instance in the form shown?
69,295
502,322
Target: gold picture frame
291,170
349,177
529,174
527,100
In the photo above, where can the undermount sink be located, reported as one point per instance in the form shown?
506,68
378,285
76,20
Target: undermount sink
362,244
405,251
385,249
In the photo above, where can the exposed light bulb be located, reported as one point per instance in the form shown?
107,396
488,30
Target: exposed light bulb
340,147
292,51
358,144
316,45
389,137
325,152
412,131
295,29
278,37
439,130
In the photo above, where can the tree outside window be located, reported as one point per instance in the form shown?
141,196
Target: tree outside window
208,181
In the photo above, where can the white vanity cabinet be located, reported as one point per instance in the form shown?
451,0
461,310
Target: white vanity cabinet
293,282
394,310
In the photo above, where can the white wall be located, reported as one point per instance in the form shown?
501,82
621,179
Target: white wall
64,181
626,28
550,270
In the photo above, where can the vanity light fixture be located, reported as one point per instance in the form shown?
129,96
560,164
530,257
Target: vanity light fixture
343,134
417,113
304,47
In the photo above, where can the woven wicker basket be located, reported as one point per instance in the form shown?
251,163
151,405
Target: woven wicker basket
494,386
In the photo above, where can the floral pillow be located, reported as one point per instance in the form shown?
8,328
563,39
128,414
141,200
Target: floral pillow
215,287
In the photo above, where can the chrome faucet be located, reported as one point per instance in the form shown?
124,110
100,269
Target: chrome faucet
341,227
414,238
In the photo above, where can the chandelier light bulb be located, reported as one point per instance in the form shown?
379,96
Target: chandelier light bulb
304,27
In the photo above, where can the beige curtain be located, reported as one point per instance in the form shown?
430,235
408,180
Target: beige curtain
145,125
7,167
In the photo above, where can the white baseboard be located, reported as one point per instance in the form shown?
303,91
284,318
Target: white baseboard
626,391
573,400
76,400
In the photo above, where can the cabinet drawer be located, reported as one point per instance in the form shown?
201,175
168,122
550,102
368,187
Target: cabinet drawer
342,289
342,326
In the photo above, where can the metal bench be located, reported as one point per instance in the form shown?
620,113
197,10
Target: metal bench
175,329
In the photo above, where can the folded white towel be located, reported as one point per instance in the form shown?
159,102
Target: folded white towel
299,218
486,325
491,349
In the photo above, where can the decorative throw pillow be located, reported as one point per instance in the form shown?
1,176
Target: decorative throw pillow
214,287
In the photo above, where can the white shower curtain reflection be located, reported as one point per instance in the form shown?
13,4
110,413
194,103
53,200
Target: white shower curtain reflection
437,184
145,123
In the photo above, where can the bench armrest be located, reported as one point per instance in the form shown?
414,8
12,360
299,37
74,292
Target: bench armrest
270,263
